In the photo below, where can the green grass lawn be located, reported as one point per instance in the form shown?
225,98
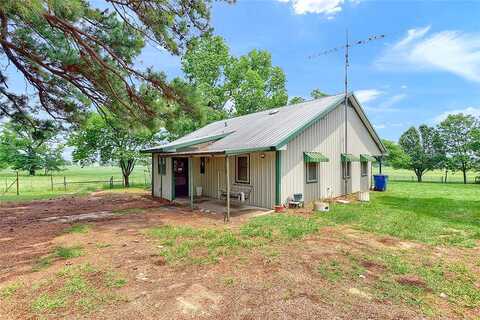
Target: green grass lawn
426,212
40,187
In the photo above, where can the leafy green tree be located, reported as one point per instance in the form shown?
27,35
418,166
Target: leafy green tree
249,83
31,145
458,136
317,94
254,84
396,157
422,146
296,100
105,139
74,53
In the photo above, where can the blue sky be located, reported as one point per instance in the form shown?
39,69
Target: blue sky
427,66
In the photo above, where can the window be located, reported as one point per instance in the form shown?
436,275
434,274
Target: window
312,175
364,168
162,166
346,169
202,165
242,166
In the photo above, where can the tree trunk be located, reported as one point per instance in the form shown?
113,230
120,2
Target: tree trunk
31,171
126,181
419,176
464,176
446,175
127,168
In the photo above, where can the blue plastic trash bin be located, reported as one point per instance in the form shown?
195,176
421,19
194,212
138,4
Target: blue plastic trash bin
380,182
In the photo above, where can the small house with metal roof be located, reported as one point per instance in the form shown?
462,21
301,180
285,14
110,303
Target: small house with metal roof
318,148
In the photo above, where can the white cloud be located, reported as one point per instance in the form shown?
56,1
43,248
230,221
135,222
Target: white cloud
404,87
379,126
421,50
326,7
392,101
387,105
367,95
470,110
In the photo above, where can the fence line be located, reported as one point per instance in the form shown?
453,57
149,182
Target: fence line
111,182
440,179
7,187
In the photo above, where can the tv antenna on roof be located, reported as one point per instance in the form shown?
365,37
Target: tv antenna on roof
347,64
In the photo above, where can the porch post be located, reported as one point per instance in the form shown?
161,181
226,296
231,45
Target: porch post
190,179
227,167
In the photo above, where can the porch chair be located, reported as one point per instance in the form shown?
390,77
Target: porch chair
297,201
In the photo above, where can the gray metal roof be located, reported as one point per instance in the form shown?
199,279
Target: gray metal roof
265,129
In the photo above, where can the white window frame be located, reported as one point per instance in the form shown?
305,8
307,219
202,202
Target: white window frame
237,180
307,171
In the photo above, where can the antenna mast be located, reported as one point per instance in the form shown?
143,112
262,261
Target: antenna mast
347,64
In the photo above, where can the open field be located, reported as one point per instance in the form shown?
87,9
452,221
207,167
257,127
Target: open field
412,253
430,176
39,186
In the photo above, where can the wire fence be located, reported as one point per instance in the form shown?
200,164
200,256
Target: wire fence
16,184
432,179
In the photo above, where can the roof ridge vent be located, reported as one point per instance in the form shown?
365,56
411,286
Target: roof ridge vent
274,111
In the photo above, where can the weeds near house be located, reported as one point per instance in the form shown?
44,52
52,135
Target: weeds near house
58,253
202,246
78,228
280,226
10,289
81,288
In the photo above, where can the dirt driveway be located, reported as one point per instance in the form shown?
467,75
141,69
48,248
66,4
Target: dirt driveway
121,275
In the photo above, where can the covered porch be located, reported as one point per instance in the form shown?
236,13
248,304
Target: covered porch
221,182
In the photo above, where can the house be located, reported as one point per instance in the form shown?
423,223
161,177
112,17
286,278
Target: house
273,154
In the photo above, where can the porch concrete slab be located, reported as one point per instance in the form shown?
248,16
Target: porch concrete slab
214,206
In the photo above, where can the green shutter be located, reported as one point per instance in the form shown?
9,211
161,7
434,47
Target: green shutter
347,157
367,157
314,157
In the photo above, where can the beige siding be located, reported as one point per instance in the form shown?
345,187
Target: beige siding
262,177
325,136
360,141
162,185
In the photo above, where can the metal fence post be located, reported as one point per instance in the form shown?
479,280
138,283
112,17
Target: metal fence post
111,182
18,191
64,183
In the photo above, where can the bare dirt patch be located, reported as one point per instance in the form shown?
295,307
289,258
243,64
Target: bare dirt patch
325,275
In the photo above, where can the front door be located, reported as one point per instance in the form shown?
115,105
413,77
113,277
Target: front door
180,173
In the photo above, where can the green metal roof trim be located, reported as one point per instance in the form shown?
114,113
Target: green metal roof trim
347,157
189,143
314,157
367,157
247,150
